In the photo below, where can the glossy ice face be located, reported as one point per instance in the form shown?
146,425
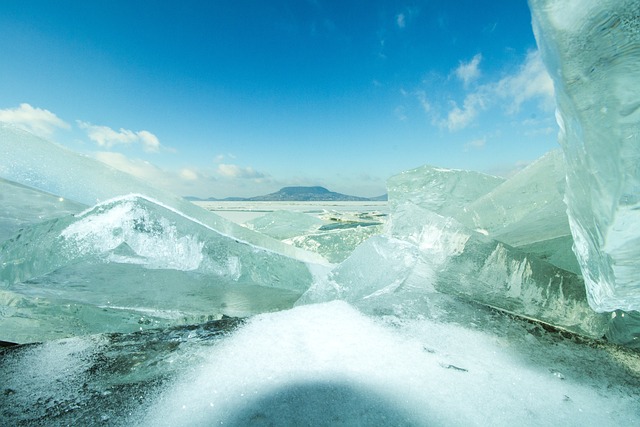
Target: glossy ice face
591,49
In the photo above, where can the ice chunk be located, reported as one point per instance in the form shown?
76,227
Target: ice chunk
525,208
135,256
35,162
524,211
444,191
380,265
335,245
528,212
474,266
425,252
592,50
21,206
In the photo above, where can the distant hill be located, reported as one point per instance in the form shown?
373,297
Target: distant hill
298,194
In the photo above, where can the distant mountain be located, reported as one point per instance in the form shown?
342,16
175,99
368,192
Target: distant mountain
383,198
298,194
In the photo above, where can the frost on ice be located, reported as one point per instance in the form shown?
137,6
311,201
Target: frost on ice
592,51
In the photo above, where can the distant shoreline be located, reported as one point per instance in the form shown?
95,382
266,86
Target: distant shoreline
295,194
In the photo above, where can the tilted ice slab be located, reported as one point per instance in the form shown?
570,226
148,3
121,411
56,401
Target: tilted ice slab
35,162
21,206
528,212
143,258
592,50
493,273
444,191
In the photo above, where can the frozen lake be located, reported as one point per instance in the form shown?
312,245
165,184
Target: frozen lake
242,211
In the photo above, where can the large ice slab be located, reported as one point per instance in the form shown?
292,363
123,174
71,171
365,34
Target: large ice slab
592,50
129,258
528,212
493,273
426,252
21,206
525,211
444,191
37,163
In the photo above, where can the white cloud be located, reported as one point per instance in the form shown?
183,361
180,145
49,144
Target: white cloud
235,171
150,142
138,168
531,81
476,144
400,113
422,98
459,118
470,71
189,174
400,20
106,137
35,120
186,181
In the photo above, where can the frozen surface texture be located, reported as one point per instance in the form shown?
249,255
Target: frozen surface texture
323,365
592,50
332,234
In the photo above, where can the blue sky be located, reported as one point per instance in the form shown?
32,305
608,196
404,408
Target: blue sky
220,98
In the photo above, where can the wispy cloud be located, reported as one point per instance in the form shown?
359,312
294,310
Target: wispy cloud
469,72
531,81
400,20
106,137
35,120
403,18
219,158
475,144
136,167
460,117
234,171
189,174
424,102
400,113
